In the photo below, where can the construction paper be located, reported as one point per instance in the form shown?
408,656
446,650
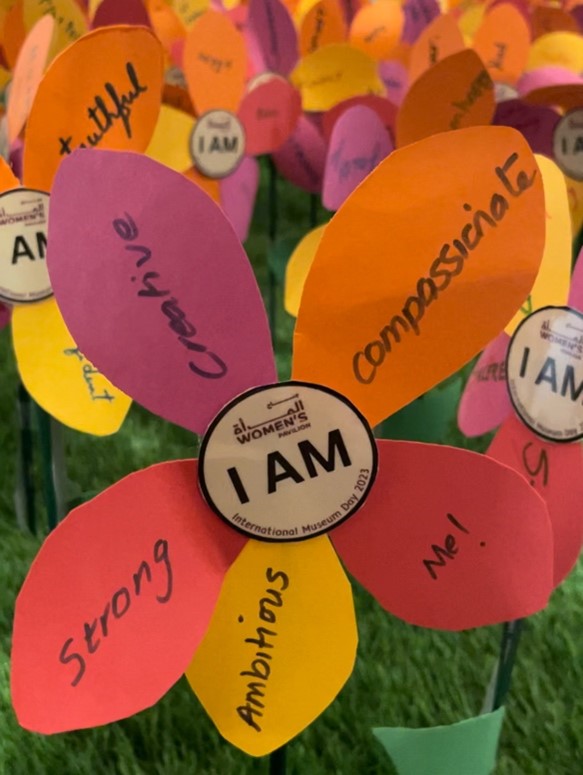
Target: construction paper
395,79
13,34
76,394
8,179
322,25
77,104
301,159
189,10
376,28
121,12
350,8
167,25
485,402
269,115
70,21
298,266
457,749
277,651
170,142
567,96
117,601
554,471
542,77
359,142
385,110
238,194
418,14
575,194
562,49
335,73
545,19
4,316
535,122
440,39
449,539
177,97
502,42
275,33
575,300
361,326
209,186
191,353
552,282
28,71
214,63
455,93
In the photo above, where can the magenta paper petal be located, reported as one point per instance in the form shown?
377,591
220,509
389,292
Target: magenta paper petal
449,541
577,14
275,34
4,316
396,80
555,471
269,113
485,403
546,76
359,142
576,289
418,14
238,194
385,110
302,158
120,12
117,601
537,123
155,287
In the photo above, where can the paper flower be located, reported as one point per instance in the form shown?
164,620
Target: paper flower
146,581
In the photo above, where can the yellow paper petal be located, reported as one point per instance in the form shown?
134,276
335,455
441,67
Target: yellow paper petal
554,276
562,49
170,142
280,646
298,267
335,73
189,10
471,19
575,194
57,375
70,22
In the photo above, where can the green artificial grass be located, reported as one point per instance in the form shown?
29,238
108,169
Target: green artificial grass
404,676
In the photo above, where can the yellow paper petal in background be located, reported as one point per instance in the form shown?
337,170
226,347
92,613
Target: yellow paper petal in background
280,646
470,20
554,276
298,267
57,375
70,25
575,195
563,49
189,10
170,142
333,74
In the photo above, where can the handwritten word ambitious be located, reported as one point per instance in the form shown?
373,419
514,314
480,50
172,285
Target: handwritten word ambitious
449,549
260,669
105,116
97,630
89,375
214,367
448,264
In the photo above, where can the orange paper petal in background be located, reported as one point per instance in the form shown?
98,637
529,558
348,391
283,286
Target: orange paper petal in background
455,93
440,39
376,28
13,34
210,186
70,21
412,277
130,64
8,179
502,42
166,24
322,25
215,63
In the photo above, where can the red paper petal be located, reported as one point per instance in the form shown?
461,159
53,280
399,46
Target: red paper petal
269,113
302,157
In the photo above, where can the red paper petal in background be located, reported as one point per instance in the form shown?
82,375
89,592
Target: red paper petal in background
301,159
117,601
385,110
269,114
121,12
448,540
485,402
275,34
155,287
556,473
238,194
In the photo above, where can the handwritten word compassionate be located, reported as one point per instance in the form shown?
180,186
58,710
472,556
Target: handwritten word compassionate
97,630
260,669
215,368
105,116
443,269
481,83
89,375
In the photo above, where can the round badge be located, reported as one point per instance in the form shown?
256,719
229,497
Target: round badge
568,144
544,370
23,244
287,462
217,143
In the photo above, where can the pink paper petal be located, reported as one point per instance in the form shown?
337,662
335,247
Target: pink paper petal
576,289
485,402
121,12
4,316
154,286
418,14
537,123
117,601
385,110
302,158
395,77
359,142
555,471
276,34
238,194
449,541
546,76
269,114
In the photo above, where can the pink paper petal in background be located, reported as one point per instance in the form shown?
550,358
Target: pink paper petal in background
238,194
418,14
121,12
537,123
546,76
359,142
449,541
349,8
302,158
177,52
576,287
485,403
276,34
16,156
396,80
555,471
4,315
269,114
155,287
385,110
